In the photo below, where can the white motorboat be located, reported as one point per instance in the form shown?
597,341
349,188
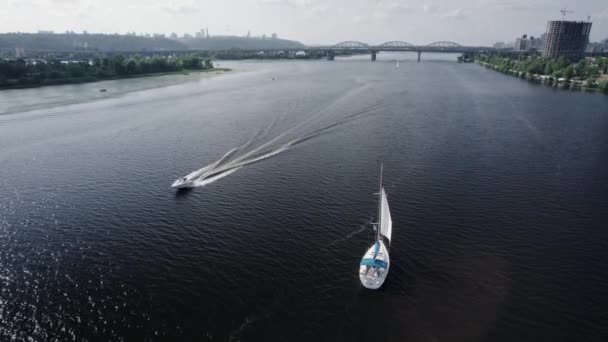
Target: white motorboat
182,183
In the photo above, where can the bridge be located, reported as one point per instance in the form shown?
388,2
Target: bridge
397,45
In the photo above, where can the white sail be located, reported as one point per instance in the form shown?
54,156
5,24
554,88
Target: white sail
375,263
386,223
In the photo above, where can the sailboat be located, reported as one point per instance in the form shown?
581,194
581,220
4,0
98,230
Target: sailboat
375,263
397,65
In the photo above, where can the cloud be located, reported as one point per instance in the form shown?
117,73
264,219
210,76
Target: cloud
394,5
430,8
386,9
290,3
453,14
70,2
320,8
309,8
514,5
178,7
603,16
24,3
182,9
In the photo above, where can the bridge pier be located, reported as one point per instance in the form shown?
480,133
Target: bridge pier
419,53
330,55
373,56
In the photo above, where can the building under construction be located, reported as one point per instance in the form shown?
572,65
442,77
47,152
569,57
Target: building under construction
567,38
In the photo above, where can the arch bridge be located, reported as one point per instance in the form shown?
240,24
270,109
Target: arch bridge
397,45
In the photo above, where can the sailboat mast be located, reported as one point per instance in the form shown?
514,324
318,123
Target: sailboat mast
379,224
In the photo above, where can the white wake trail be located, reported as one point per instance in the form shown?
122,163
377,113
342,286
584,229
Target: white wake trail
215,171
273,140
209,180
202,171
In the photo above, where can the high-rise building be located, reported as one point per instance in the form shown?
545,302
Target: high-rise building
522,44
19,52
597,46
499,45
567,38
537,44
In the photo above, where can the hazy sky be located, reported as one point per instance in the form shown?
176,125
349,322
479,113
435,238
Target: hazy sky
310,21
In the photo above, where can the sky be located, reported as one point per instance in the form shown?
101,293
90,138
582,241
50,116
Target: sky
468,22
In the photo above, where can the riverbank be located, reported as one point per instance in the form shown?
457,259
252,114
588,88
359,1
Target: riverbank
587,74
92,79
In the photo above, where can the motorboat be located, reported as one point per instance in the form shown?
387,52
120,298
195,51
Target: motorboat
182,183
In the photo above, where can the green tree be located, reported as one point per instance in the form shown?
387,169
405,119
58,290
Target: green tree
76,70
131,67
561,63
602,63
549,68
536,67
580,68
569,72
192,62
118,62
14,69
56,74
592,71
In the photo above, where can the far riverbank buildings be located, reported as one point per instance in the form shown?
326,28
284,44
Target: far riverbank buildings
567,38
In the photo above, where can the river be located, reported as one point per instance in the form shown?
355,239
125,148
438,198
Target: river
498,190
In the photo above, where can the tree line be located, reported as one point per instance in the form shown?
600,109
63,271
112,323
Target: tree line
27,73
36,42
582,70
95,42
232,42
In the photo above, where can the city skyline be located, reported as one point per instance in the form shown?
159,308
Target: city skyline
308,21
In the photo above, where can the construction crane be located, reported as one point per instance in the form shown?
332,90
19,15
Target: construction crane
561,25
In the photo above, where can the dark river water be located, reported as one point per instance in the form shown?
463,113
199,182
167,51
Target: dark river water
498,190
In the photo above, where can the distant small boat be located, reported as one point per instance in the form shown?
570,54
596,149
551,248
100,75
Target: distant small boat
102,90
375,263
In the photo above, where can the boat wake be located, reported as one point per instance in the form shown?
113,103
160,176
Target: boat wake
362,228
241,156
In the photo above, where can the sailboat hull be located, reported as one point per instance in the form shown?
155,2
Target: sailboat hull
374,266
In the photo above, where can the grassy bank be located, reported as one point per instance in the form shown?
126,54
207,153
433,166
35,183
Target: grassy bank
27,73
590,75
552,81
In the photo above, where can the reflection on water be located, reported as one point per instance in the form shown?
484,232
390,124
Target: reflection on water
21,100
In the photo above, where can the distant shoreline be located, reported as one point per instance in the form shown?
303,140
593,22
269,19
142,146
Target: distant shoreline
82,80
